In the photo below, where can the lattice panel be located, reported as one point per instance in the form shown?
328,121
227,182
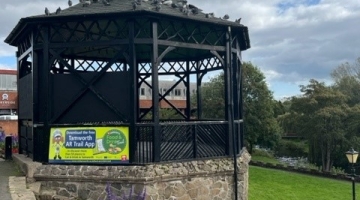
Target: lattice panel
193,66
38,34
58,68
191,33
97,66
145,68
25,44
25,65
210,63
142,28
172,67
169,31
87,66
211,140
144,149
97,30
176,142
234,41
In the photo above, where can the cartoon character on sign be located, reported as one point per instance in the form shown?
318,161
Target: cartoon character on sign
58,141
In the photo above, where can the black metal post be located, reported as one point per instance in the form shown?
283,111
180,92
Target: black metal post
133,92
45,92
230,107
20,132
198,92
155,94
8,147
187,93
353,180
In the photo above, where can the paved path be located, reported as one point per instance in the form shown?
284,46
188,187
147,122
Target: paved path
7,169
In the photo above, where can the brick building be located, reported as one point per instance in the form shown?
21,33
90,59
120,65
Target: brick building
177,96
8,101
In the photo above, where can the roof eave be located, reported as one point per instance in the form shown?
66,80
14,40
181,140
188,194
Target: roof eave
25,23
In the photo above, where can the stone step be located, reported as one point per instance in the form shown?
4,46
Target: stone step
19,190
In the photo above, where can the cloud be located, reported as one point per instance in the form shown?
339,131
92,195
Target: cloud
295,40
292,40
3,66
5,49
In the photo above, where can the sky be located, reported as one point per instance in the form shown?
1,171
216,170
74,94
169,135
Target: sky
292,41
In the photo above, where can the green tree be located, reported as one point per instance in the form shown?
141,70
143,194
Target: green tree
321,113
261,126
347,80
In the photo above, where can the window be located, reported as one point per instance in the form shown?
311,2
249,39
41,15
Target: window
177,92
149,91
142,91
164,91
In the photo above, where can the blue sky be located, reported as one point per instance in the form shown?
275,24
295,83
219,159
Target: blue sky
292,41
285,5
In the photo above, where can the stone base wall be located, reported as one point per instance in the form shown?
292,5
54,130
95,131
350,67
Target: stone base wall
211,179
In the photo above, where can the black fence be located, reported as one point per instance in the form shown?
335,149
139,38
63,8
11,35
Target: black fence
182,141
176,140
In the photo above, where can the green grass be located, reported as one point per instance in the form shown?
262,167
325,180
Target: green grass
270,184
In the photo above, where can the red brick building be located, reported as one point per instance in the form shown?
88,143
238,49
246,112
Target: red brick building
177,96
8,101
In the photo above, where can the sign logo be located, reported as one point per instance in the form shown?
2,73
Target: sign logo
5,97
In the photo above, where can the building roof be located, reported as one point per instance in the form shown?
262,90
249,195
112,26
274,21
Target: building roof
97,7
8,71
126,6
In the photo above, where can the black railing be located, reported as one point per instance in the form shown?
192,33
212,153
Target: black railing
26,141
176,140
144,138
189,140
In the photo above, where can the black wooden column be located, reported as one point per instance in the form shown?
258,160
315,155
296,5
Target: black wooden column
229,103
188,94
236,93
155,94
133,92
198,91
230,94
238,98
18,109
241,104
38,141
42,129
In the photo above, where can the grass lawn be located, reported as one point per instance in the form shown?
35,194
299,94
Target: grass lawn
264,159
270,184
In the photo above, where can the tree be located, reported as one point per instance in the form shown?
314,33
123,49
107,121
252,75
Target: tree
260,124
347,80
321,111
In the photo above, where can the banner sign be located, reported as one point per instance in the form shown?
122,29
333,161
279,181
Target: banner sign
8,100
89,145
